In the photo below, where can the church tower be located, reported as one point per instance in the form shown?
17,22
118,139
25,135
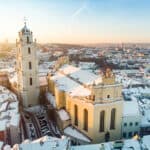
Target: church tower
27,68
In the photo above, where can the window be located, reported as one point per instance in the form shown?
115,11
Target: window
85,115
30,65
30,81
113,118
29,50
76,115
136,123
27,39
102,121
124,134
108,96
125,124
130,134
131,123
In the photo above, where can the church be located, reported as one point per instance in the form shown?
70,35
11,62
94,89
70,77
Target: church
93,102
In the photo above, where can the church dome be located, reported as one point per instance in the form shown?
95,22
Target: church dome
25,29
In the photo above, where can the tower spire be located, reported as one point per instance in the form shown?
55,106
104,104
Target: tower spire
25,21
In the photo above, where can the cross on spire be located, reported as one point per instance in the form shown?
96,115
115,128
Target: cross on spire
25,20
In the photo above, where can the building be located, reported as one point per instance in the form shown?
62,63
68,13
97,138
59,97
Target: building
27,68
10,121
131,118
94,102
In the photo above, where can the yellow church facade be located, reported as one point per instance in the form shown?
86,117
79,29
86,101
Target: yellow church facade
98,115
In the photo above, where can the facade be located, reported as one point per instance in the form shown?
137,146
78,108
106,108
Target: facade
131,119
27,68
95,108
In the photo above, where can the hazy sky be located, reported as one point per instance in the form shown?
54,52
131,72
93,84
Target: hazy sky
77,21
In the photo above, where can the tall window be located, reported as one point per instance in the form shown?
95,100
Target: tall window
113,118
85,114
30,81
30,65
76,115
29,50
108,96
27,39
102,121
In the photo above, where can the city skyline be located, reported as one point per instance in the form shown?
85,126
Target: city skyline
77,22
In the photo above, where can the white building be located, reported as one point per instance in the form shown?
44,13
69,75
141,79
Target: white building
131,119
27,68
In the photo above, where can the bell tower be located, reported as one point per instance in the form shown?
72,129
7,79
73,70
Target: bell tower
27,68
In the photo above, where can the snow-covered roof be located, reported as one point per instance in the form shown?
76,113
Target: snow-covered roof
43,81
146,142
68,69
145,121
9,109
44,143
1,144
80,75
73,132
51,99
131,108
131,143
64,116
127,145
44,68
64,83
103,146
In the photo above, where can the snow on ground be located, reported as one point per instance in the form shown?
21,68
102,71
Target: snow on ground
73,132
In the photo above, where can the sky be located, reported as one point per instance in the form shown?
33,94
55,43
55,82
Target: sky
77,21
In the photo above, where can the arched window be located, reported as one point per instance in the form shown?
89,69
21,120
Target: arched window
76,115
85,115
102,121
108,96
27,39
30,65
30,81
29,50
113,118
